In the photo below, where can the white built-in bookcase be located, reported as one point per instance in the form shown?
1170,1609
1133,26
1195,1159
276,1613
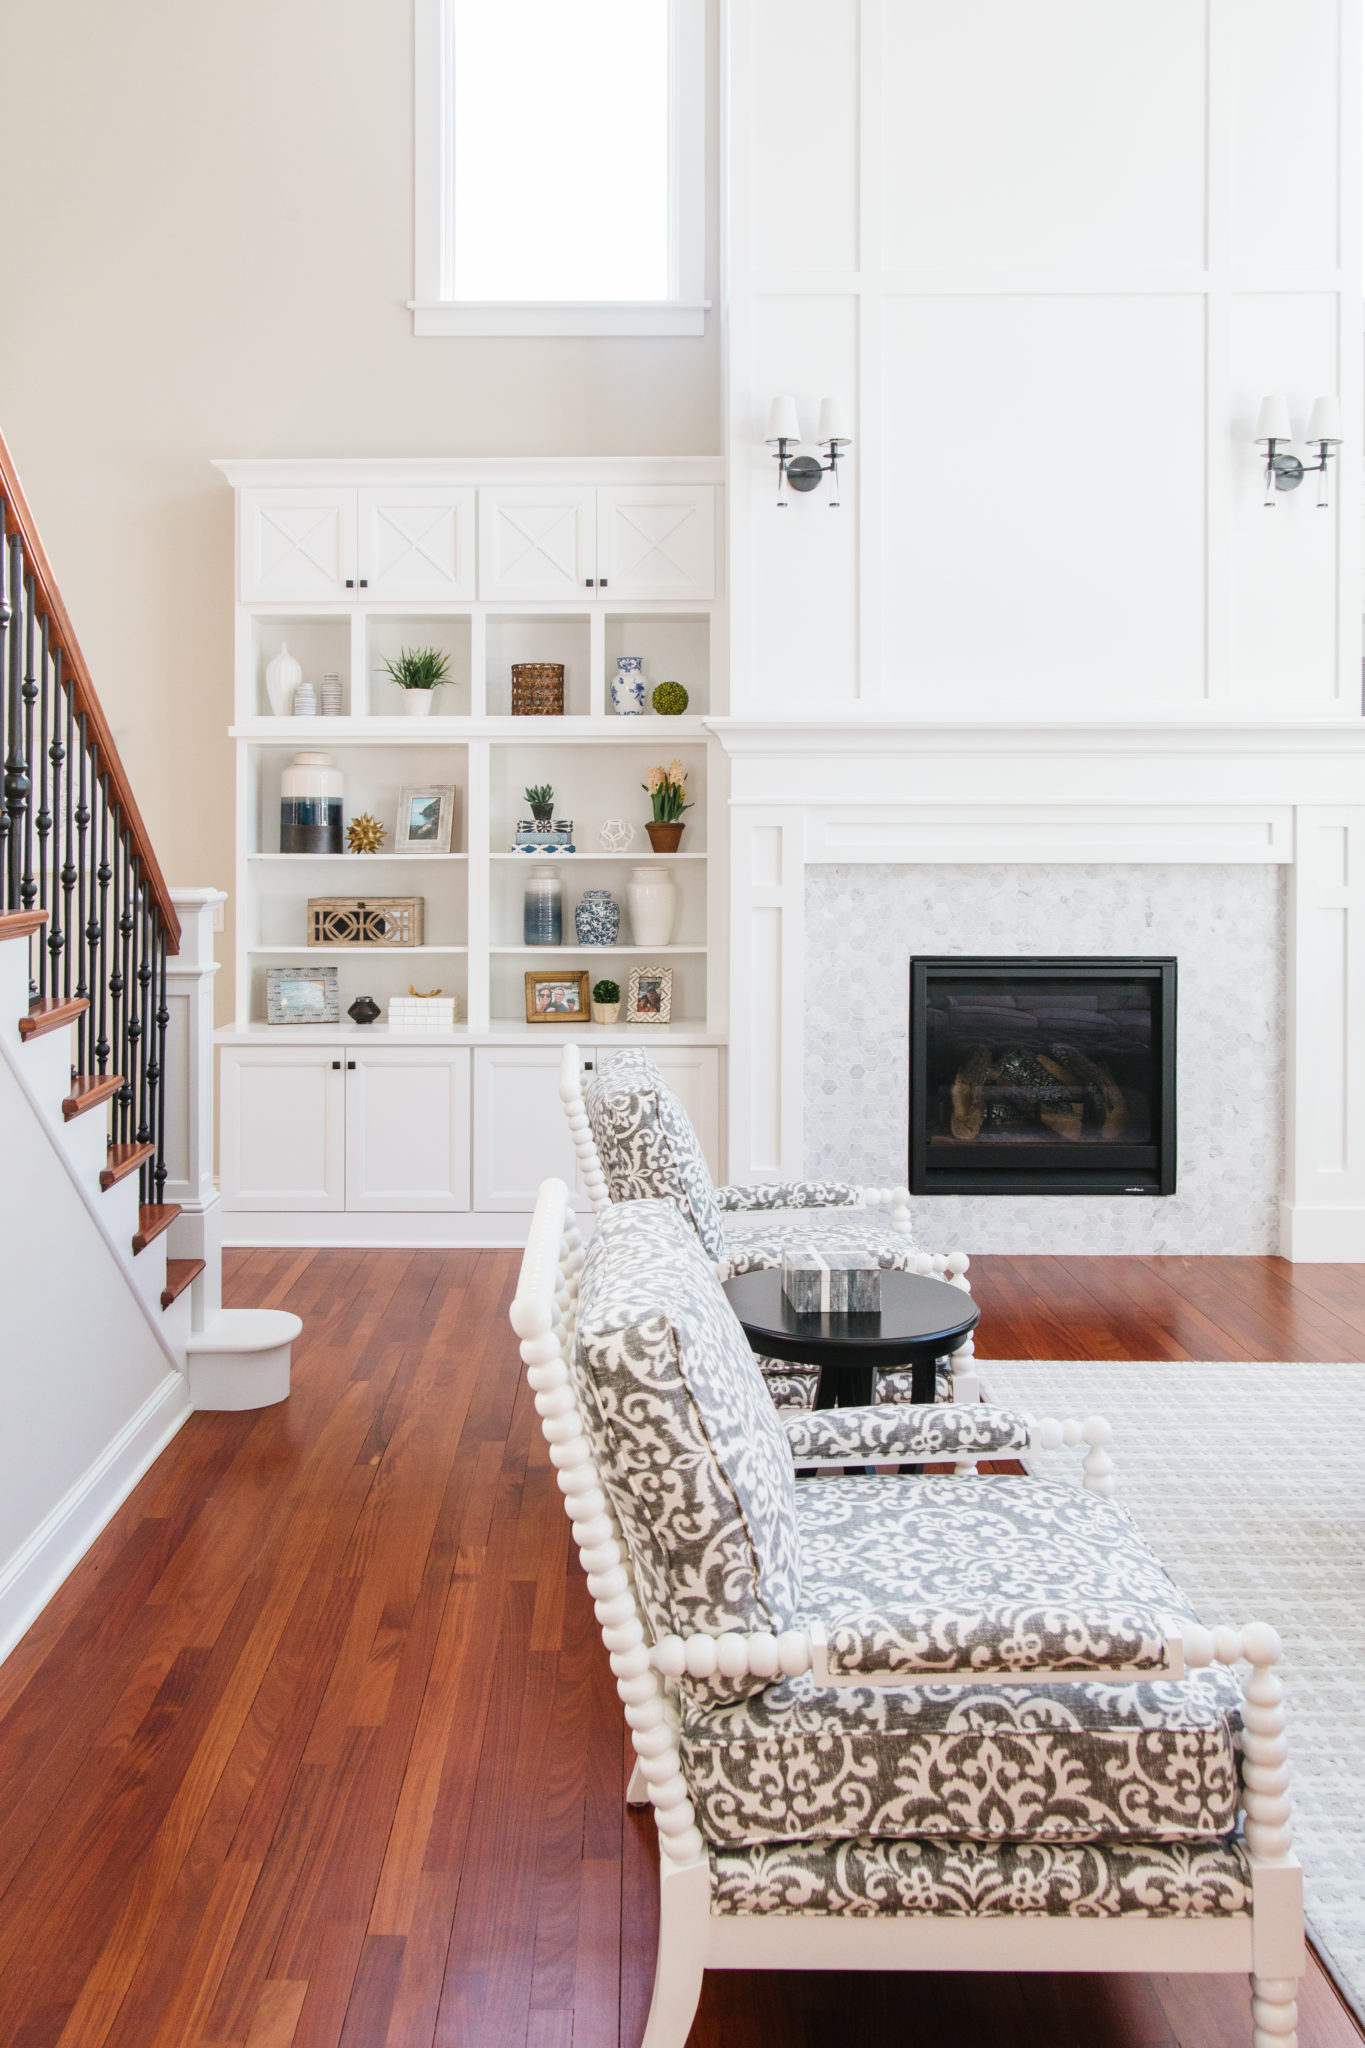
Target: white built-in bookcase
495,562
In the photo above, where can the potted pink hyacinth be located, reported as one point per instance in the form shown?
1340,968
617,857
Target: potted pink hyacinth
667,789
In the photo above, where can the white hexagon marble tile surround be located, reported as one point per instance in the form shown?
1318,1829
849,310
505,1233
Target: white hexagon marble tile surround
1226,927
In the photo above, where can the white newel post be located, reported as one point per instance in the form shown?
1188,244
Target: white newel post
197,1232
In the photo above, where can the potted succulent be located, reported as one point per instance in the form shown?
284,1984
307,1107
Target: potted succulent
606,1002
541,798
668,792
419,673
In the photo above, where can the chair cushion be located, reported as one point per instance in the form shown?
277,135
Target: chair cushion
790,1386
863,1877
750,1241
685,1434
1056,1761
991,1572
647,1145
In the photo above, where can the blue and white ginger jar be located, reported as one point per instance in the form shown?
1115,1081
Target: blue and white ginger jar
628,685
597,918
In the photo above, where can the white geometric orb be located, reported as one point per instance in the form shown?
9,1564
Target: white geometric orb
615,835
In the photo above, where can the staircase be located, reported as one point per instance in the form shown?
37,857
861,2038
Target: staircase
112,1289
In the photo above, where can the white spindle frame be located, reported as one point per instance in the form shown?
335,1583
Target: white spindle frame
950,1267
1267,1943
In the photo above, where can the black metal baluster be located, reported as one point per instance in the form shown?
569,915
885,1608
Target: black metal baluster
115,946
28,883
69,847
127,1049
16,784
150,1073
99,965
82,827
5,610
46,703
163,1018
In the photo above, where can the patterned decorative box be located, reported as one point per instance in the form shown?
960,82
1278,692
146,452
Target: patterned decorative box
533,838
421,1013
838,1284
366,920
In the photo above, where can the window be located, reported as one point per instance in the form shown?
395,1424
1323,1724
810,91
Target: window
560,167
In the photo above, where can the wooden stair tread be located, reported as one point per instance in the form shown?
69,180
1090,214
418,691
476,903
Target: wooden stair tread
179,1274
123,1160
49,1013
152,1219
21,924
89,1089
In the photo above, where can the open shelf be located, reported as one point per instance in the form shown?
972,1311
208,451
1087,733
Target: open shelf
387,634
515,637
370,952
319,643
675,647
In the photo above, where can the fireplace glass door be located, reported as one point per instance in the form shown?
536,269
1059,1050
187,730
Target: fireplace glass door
1042,1076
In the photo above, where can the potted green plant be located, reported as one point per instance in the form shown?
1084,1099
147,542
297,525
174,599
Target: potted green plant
419,673
668,792
606,1002
541,798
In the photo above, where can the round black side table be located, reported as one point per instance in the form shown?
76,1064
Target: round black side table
920,1322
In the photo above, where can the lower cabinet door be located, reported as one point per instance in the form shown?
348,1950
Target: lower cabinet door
521,1135
283,1128
407,1127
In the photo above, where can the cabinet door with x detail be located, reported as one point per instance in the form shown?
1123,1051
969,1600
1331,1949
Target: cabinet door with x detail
298,546
417,540
537,541
656,540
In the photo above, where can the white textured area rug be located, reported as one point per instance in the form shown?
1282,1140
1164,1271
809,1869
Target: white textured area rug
1248,1481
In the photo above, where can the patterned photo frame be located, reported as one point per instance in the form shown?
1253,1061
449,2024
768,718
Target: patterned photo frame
649,997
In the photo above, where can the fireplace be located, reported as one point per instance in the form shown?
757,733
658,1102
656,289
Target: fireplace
1042,1076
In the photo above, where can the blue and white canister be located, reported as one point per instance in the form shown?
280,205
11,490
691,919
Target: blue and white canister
628,685
597,918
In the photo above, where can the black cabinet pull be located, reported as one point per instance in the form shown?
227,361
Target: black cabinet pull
350,582
587,583
336,1066
364,582
601,582
350,1066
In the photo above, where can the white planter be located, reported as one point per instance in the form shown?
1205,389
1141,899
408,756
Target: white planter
417,703
653,904
605,1013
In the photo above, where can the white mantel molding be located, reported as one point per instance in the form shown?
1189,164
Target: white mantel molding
1285,792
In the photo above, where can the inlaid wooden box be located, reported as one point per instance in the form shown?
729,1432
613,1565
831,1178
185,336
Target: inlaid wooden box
365,920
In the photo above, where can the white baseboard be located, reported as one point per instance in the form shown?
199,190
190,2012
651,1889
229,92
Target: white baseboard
31,1577
1322,1236
441,1230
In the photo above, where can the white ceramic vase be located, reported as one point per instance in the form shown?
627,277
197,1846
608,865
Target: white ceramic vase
653,904
282,677
417,703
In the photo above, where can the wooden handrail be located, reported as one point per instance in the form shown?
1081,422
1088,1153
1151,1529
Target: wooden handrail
61,634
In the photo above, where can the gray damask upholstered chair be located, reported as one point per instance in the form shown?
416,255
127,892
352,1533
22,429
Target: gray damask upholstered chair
893,1723
635,1141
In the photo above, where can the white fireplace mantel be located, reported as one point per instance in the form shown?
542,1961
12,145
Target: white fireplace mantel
872,789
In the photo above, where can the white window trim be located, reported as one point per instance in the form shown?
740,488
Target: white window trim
435,309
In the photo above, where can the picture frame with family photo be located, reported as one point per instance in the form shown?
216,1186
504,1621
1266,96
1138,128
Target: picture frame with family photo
426,818
559,997
649,997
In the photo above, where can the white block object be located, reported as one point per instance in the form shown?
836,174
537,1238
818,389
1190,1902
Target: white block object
421,1013
242,1359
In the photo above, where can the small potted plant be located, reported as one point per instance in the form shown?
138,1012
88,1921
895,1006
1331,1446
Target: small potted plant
668,791
541,798
606,1002
419,673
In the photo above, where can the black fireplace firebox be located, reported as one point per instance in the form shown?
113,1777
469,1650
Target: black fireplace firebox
1042,1076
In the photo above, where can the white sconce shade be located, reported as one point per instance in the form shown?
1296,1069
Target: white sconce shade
783,424
1272,422
1325,424
833,421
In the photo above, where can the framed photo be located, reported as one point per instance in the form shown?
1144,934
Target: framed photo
649,999
560,998
426,817
302,995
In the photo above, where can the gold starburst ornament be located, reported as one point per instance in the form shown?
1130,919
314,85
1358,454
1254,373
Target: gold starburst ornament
365,834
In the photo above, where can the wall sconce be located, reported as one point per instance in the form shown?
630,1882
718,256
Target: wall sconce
1283,471
803,472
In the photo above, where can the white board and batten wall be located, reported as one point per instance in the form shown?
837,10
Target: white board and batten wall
1050,259
342,1134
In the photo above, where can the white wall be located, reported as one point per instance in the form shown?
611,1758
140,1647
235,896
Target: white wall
1052,256
208,252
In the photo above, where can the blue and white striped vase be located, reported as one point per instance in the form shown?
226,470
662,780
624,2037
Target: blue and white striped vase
597,918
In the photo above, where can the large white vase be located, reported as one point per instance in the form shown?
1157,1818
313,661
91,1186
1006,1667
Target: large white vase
282,677
653,901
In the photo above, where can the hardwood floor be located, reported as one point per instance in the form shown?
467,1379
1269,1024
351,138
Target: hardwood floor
317,1748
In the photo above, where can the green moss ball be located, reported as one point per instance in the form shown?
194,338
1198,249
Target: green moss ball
670,700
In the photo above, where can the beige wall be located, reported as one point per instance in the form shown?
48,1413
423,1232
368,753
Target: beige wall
210,208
